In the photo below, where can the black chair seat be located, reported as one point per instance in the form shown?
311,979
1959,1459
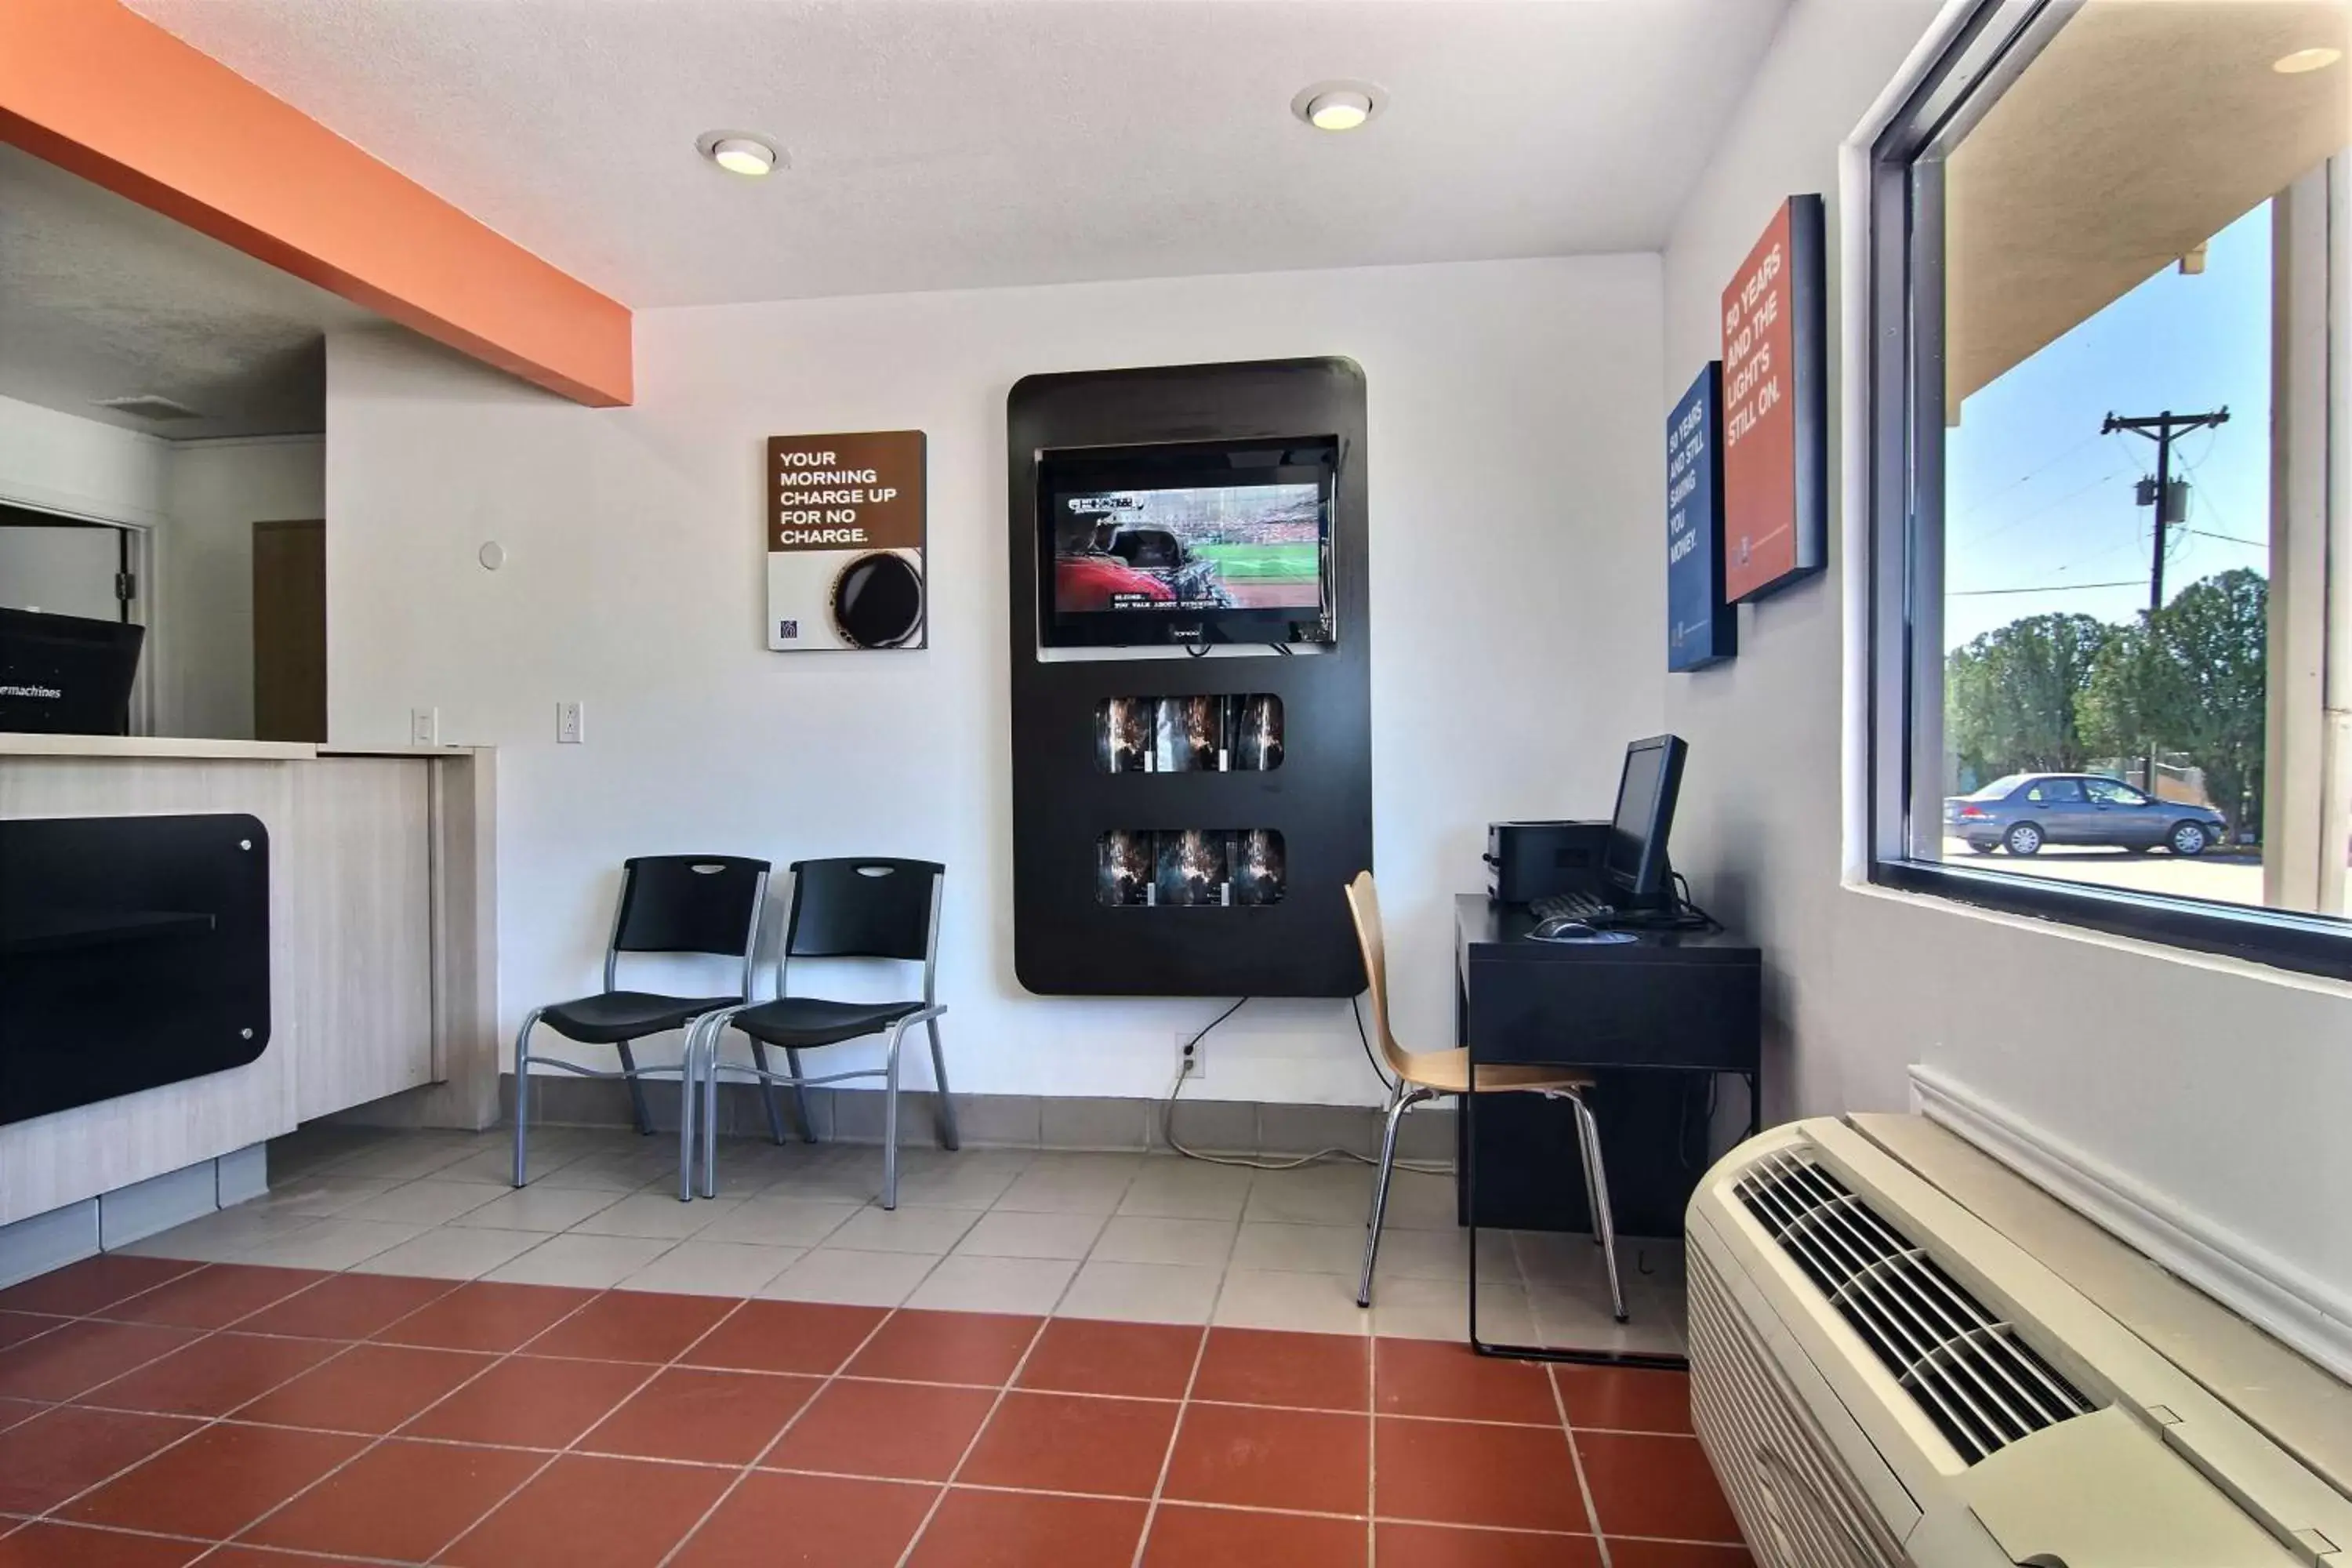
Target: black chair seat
612,1016
797,1021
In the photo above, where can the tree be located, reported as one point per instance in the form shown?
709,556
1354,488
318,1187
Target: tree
2011,695
2193,677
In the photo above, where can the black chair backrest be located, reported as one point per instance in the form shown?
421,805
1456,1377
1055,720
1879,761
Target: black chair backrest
689,903
861,908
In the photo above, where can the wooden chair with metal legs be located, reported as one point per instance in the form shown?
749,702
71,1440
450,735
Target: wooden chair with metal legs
1425,1074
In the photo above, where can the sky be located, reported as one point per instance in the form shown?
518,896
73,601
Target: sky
2036,499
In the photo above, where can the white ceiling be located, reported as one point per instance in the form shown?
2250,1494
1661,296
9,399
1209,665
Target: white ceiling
960,143
100,298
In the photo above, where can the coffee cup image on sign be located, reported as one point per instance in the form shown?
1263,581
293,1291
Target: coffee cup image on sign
847,599
1123,734
1259,875
1191,868
1192,736
1125,867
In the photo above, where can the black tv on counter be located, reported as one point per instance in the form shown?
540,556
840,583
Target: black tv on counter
67,674
1186,542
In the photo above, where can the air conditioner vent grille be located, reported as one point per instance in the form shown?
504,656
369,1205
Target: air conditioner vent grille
1967,1368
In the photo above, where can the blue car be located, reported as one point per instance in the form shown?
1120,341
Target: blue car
2022,812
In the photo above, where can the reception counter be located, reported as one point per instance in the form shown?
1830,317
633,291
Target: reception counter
382,987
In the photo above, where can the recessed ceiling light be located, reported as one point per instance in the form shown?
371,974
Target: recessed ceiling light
740,152
1336,105
2303,60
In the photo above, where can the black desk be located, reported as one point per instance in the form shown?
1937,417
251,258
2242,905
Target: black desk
1643,1015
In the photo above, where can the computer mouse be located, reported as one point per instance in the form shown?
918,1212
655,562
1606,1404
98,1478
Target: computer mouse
1562,931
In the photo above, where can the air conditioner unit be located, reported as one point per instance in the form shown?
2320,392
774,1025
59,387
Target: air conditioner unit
1880,1378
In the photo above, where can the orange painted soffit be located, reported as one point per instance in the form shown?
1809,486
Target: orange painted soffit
95,89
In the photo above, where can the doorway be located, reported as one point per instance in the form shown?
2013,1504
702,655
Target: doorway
289,631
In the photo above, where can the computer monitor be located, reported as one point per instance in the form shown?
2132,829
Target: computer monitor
1633,867
67,674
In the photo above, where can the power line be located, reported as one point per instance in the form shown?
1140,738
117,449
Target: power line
2059,588
2225,538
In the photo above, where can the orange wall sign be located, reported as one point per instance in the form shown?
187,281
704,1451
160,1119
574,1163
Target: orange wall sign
1775,428
95,88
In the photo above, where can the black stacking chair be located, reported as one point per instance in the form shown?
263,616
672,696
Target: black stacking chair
840,908
707,904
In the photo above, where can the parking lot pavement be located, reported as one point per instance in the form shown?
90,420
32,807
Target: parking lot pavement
2234,878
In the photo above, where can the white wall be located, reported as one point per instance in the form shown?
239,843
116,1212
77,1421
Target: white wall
2218,1091
215,492
1511,455
60,463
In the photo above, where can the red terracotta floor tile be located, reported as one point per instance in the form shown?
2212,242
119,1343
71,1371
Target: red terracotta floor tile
212,1376
1624,1399
1654,1486
1142,1361
583,1513
809,1521
92,1283
14,1411
1265,1366
1018,1530
1184,1537
1313,1460
1625,1554
786,1336
347,1306
216,1483
367,1388
1453,1472
212,1298
482,1316
1442,1546
1073,1443
889,1430
256,1557
1447,1377
80,1356
530,1403
398,1499
15,1328
632,1325
718,1418
946,1347
48,1458
72,1546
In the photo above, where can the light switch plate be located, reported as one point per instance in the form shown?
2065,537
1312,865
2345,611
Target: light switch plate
424,726
571,724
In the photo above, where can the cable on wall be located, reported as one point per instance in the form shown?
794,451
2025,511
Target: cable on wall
1241,1162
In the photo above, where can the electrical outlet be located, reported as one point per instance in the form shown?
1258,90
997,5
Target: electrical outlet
1192,1054
424,726
571,724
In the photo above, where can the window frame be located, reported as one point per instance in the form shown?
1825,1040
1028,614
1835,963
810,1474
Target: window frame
1903,399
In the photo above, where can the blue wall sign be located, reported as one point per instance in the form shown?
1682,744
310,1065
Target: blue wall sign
1701,629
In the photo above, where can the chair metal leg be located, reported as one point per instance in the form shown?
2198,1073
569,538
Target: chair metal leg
523,1096
1588,1130
1400,1102
890,1120
768,1100
800,1097
689,1087
710,1111
637,1106
949,1138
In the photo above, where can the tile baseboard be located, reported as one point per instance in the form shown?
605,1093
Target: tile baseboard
1013,1120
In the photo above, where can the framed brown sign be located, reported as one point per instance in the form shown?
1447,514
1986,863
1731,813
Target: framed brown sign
846,535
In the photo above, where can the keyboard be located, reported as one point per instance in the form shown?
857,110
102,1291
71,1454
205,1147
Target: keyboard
1576,906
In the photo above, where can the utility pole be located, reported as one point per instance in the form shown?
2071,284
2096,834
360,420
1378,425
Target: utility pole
2161,428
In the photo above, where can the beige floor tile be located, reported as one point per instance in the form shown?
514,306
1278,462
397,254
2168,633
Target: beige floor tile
1445,1255
1148,1238
700,1268
1030,1285
1300,1248
780,1222
406,1157
452,1252
1141,1293
223,1236
426,1201
547,1208
904,1229
320,1196
1073,1183
587,1262
964,1181
1411,1308
495,1167
657,1214
1310,1303
1334,1194
330,1244
611,1172
853,1279
1417,1201
1168,1188
1009,1232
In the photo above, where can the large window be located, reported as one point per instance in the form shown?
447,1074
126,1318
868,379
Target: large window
2112,552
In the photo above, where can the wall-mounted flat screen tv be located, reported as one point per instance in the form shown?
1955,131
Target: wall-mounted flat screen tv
1186,542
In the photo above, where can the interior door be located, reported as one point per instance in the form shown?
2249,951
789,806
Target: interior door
289,631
